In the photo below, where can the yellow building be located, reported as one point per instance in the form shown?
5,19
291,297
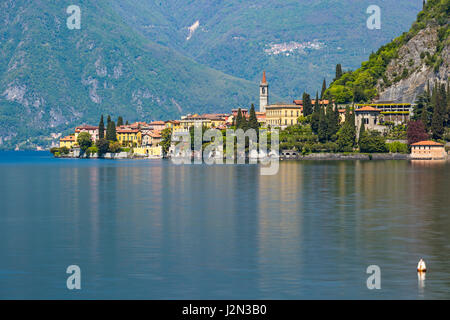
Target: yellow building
129,136
67,142
283,115
175,125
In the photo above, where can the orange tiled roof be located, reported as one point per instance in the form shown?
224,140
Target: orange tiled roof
68,138
367,108
85,127
427,143
264,77
157,123
126,130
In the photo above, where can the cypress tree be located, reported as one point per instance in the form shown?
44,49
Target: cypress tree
316,103
111,130
315,117
346,135
362,132
324,88
101,128
119,121
323,126
238,122
338,71
307,106
437,122
253,121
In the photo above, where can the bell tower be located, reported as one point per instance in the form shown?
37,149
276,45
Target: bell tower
263,94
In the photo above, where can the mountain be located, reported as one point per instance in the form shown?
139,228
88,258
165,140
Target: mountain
298,42
53,78
399,71
152,59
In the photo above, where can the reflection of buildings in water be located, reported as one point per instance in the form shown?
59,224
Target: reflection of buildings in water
280,226
428,163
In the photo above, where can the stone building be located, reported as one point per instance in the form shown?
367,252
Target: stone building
370,116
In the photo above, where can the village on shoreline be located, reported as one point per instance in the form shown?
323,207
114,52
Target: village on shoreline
308,129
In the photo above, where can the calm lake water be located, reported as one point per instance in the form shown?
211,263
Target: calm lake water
154,230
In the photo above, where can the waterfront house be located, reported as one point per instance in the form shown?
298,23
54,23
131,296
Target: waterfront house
128,136
371,118
67,142
92,130
397,113
428,150
283,115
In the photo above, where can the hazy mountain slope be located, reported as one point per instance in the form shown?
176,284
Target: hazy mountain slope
240,37
52,78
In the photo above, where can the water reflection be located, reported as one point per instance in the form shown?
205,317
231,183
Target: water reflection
144,229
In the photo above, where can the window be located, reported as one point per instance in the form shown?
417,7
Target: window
366,121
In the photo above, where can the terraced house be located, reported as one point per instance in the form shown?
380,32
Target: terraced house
128,136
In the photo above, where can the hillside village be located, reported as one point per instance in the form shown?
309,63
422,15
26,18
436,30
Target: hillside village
307,126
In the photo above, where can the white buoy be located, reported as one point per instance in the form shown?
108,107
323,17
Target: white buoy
421,266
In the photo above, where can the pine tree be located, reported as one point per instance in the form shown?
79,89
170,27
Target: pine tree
119,121
324,88
338,71
307,106
101,128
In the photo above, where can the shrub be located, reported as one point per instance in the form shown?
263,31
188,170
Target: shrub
64,150
92,150
102,146
114,147
397,147
54,150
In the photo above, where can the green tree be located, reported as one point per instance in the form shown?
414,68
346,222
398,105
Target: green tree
346,134
111,130
253,120
84,141
101,128
324,88
119,121
166,139
332,123
372,142
102,146
114,146
323,126
438,100
338,71
238,121
307,105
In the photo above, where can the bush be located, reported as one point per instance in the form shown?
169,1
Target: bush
372,143
92,150
114,147
397,147
102,146
54,150
64,150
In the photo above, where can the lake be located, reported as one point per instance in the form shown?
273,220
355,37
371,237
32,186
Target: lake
149,229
